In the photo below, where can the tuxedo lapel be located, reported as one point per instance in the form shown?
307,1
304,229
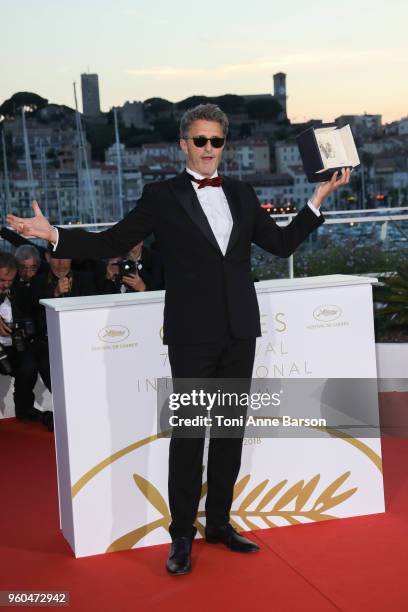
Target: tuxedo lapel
234,202
187,197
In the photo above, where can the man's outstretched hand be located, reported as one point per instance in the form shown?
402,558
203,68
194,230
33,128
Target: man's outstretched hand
33,227
324,189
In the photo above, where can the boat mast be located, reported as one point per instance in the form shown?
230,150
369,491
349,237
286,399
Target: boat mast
29,167
118,164
6,176
44,178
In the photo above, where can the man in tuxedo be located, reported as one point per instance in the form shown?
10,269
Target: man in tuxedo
204,225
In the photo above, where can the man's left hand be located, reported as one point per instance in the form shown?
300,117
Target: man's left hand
135,282
324,189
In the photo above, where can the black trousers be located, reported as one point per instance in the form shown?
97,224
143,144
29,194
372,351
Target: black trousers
26,366
42,358
227,358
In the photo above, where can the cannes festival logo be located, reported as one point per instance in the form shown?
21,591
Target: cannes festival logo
256,503
113,333
327,312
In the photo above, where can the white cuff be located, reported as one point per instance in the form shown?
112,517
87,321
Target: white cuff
55,244
310,205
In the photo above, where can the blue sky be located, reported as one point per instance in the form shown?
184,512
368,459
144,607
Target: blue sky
340,57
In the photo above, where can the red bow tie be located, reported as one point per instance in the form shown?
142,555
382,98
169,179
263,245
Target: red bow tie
207,182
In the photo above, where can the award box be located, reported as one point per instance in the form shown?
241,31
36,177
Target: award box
326,149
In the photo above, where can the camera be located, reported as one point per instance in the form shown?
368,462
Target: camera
126,267
22,330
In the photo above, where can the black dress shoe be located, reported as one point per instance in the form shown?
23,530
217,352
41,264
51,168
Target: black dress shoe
179,561
48,420
32,414
227,535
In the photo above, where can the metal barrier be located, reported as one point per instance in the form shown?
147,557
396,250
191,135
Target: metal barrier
359,216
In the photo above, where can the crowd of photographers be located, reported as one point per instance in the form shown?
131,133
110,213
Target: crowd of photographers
31,274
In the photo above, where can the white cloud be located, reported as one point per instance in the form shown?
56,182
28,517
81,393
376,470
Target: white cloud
164,71
262,64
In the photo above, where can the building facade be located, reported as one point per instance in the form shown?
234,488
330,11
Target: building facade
91,106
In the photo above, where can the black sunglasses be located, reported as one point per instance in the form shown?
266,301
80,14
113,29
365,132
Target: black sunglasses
201,141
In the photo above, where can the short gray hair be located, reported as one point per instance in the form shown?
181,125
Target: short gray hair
26,251
206,112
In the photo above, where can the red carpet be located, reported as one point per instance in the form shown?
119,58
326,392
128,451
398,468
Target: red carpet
357,564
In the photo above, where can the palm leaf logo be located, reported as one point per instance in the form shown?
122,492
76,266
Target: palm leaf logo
263,502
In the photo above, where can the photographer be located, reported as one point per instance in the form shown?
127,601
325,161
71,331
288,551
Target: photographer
28,263
19,241
60,281
16,336
140,270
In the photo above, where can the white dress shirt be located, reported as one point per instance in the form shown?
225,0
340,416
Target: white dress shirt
6,314
216,209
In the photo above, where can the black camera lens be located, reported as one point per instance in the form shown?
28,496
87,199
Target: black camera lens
127,267
29,328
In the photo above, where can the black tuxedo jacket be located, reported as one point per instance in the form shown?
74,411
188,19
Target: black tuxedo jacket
207,293
20,299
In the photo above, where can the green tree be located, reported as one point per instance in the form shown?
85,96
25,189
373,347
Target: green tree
264,109
100,138
391,298
167,127
155,106
245,130
192,101
230,103
11,107
142,137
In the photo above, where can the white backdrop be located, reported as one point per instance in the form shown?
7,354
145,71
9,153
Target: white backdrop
106,357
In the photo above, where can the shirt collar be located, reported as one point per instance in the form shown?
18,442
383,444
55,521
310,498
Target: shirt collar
199,176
